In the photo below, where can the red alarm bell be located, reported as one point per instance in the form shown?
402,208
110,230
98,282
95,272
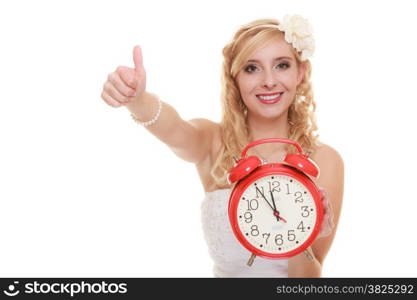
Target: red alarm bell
275,209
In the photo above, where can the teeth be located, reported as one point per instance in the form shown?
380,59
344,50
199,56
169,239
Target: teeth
269,97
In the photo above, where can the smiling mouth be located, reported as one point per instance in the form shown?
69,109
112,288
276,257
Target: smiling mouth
269,98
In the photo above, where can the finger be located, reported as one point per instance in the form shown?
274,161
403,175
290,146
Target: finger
120,85
138,60
114,93
325,230
331,219
329,207
127,75
322,192
109,100
140,74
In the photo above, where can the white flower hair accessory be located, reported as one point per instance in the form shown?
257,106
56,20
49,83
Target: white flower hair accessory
299,33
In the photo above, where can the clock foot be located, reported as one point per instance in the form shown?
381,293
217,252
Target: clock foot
308,254
251,259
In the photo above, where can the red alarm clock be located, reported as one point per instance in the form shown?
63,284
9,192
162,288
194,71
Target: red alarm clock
275,209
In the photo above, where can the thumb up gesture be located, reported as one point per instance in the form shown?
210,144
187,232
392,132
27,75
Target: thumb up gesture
125,84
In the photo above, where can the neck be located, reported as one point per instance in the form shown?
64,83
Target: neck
261,128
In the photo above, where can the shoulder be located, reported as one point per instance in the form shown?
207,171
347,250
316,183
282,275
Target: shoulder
210,135
207,127
331,179
331,165
328,157
204,124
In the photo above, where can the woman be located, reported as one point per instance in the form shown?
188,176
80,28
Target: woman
266,93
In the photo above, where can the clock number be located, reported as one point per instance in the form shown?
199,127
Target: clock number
305,212
291,235
254,230
248,217
278,240
288,188
252,204
299,198
301,227
275,186
267,237
258,191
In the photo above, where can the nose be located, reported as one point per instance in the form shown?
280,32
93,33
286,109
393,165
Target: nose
269,80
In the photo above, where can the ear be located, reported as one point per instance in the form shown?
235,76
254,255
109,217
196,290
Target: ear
301,71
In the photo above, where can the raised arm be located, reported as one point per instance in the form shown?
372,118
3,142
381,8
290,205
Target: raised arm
189,140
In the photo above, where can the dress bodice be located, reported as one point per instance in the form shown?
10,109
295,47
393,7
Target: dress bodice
229,256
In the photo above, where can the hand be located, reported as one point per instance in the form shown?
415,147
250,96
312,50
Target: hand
327,224
125,84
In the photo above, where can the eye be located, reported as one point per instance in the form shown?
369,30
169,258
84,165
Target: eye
250,68
283,65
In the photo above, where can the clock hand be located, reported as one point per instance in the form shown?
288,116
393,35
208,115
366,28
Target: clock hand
276,212
285,221
273,200
265,198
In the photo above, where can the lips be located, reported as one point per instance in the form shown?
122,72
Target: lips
269,98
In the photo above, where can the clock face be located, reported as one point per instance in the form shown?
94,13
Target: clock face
276,214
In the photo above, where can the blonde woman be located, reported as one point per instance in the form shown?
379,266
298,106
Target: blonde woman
266,92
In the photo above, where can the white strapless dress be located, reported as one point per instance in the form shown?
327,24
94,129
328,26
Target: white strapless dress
229,256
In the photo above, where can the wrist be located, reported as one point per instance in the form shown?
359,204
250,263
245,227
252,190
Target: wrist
153,120
138,101
304,264
144,107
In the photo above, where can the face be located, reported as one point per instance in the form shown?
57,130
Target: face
268,80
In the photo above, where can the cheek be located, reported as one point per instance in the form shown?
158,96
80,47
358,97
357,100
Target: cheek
247,85
291,80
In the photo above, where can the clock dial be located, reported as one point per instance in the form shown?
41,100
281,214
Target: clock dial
276,214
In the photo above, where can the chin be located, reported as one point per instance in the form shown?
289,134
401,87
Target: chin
275,114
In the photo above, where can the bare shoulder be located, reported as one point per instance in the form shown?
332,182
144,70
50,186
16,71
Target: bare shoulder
211,131
331,179
210,138
331,165
327,157
209,128
204,124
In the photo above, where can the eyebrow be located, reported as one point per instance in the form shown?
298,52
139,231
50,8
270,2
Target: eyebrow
275,59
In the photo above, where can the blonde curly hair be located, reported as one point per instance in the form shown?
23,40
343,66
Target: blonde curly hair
233,125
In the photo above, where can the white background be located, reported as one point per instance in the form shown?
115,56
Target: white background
84,191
